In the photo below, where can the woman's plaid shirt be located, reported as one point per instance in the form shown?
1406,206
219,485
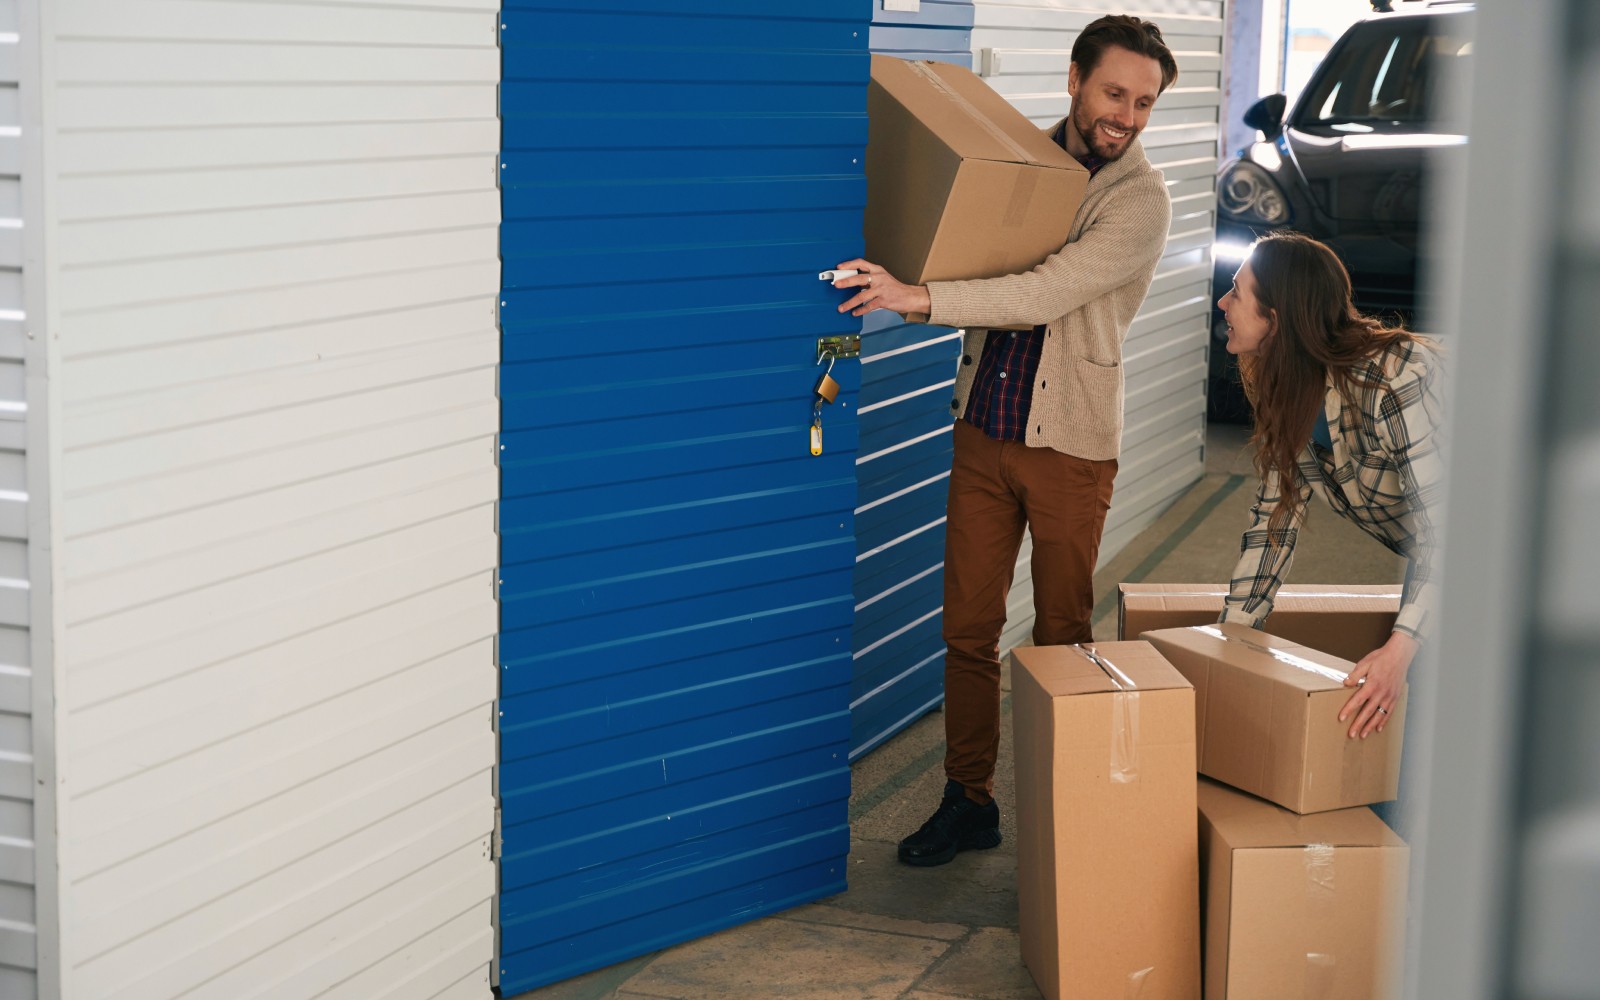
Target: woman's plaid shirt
1385,474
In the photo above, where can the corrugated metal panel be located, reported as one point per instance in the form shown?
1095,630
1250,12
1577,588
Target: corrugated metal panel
904,465
274,266
1024,48
676,566
18,934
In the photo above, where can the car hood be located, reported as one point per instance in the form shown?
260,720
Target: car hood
1375,177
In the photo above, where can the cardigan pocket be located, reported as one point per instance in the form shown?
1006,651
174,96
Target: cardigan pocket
1100,390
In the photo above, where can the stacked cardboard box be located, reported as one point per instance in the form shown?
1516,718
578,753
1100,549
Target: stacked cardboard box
1108,742
1303,887
1299,906
1107,855
1267,719
1347,621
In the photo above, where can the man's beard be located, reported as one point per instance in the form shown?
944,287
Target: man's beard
1089,132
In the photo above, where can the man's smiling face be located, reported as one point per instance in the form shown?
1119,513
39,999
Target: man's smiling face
1111,106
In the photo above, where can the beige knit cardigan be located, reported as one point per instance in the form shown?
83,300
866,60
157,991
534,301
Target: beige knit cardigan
1087,294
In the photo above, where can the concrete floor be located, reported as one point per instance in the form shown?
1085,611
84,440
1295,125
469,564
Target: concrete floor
904,933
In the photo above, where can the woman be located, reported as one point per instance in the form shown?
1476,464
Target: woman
1345,408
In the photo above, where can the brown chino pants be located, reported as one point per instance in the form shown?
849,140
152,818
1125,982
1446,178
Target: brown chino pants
996,488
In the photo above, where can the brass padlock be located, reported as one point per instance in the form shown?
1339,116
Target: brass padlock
827,389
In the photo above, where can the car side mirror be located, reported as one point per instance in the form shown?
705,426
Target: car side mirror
1267,115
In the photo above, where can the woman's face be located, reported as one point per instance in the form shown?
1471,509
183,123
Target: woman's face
1248,330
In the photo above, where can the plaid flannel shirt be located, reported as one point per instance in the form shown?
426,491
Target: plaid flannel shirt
1385,474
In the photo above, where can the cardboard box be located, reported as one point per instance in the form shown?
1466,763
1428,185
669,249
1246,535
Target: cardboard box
1308,907
1348,622
1107,856
1267,719
959,183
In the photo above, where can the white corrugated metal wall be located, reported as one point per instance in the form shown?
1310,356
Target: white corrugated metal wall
18,938
271,279
1023,48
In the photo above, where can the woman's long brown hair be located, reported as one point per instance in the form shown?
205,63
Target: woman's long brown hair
1319,332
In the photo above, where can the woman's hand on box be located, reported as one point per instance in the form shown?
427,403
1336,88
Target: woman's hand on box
880,290
1378,679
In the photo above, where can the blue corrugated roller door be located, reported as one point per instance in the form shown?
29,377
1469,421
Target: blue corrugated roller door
676,567
907,373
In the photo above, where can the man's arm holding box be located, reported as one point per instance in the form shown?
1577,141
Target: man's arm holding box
1122,245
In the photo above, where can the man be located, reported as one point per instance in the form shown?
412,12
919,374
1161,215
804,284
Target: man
1039,413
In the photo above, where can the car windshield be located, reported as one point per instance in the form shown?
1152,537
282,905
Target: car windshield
1382,75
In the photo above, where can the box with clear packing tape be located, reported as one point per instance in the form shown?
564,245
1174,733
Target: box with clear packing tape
1107,849
1299,907
1267,719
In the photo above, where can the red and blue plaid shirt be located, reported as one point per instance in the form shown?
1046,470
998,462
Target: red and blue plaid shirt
1002,388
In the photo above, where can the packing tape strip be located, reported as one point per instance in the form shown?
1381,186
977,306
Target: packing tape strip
1124,769
1021,200
1298,662
1321,970
1281,593
973,113
1136,984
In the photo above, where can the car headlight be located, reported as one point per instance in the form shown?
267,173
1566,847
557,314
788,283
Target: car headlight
1248,191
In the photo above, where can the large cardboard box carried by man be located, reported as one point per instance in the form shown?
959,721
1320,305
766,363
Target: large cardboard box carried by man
1299,907
1267,719
959,183
1347,621
1107,852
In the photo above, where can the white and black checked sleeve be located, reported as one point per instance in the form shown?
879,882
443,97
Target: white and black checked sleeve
1262,566
1408,421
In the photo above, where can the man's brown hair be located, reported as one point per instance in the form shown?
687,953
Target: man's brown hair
1137,35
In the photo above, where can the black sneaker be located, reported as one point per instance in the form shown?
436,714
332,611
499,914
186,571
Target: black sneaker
959,825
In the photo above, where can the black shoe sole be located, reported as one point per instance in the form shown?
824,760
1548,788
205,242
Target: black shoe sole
978,840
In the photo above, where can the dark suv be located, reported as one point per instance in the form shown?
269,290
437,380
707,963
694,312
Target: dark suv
1349,165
